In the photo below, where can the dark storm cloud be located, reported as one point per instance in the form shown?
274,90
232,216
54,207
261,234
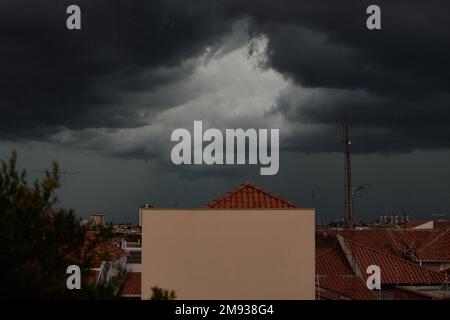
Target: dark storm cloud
393,82
326,44
52,78
379,123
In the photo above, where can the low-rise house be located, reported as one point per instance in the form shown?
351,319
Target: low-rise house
134,258
342,253
395,271
335,279
97,219
247,244
106,261
435,254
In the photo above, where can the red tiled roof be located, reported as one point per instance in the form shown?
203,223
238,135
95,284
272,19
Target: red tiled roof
95,251
320,250
400,242
322,294
92,277
394,270
336,279
344,287
249,196
332,262
437,249
441,225
131,285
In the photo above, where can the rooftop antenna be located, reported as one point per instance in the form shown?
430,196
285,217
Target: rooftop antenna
360,190
62,173
403,212
173,204
348,174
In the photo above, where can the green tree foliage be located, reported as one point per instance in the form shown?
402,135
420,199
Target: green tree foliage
37,240
162,294
105,232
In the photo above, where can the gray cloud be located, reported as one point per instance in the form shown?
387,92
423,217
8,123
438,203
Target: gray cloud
393,83
108,97
53,78
118,71
379,123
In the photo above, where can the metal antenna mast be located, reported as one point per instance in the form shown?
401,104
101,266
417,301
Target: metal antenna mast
348,175
63,173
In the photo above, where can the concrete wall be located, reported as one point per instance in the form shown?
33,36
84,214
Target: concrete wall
229,254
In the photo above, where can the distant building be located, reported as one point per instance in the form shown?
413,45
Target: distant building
393,220
134,251
97,219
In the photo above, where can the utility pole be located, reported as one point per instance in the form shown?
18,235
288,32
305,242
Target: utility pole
348,174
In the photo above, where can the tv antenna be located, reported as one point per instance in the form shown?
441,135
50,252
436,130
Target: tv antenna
173,204
64,173
360,190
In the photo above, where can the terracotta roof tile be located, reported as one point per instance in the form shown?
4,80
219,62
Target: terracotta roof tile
95,251
437,249
323,294
131,285
249,196
332,262
344,287
394,270
92,276
400,242
441,225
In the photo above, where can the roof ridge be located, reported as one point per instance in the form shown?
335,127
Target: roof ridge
394,257
260,189
248,184
358,288
229,193
395,243
438,236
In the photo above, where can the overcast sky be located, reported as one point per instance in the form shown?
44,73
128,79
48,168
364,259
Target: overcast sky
105,99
